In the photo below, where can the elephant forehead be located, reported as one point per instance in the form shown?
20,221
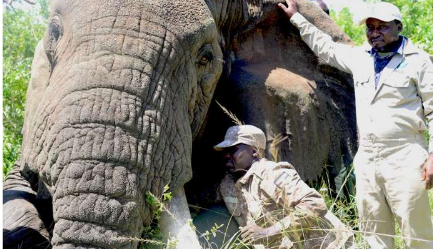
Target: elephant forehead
188,20
188,14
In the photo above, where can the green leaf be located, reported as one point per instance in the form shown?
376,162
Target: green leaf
22,30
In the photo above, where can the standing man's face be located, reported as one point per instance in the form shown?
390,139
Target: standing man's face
381,34
239,158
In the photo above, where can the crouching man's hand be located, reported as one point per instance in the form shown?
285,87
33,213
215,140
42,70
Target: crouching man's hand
253,234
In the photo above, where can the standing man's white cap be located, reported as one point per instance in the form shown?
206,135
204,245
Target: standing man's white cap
383,11
243,134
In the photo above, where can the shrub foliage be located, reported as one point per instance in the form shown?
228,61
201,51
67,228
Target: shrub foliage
21,32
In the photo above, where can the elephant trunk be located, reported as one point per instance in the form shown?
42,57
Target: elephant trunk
90,213
100,177
105,149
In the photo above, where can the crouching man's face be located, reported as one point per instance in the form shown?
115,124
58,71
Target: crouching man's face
238,158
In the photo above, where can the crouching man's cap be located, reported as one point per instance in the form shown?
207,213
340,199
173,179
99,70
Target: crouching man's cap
383,11
243,134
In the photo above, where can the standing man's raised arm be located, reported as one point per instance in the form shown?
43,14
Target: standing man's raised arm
334,54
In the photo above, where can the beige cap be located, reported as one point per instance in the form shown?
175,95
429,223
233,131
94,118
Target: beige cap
243,134
383,11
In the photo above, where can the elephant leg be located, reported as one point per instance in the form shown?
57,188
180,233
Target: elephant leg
176,222
22,224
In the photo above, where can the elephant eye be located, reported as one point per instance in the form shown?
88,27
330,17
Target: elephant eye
54,33
205,55
205,59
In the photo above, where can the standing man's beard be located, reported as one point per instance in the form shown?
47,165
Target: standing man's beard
392,47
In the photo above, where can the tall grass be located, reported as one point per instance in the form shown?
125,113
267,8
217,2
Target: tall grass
343,210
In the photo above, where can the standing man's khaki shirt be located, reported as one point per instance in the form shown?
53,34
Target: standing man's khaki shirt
391,121
403,98
271,193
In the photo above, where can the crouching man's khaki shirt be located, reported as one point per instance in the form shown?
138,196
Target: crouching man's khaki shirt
271,193
402,101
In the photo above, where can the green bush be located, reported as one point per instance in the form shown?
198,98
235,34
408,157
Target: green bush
21,32
344,20
417,22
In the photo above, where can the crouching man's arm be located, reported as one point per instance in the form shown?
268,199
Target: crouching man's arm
300,205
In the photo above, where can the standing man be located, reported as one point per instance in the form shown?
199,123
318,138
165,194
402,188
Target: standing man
270,202
394,98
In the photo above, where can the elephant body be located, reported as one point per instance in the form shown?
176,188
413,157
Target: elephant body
124,89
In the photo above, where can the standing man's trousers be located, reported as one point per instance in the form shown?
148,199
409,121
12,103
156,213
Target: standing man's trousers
388,185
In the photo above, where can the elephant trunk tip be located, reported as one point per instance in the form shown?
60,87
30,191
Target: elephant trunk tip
76,234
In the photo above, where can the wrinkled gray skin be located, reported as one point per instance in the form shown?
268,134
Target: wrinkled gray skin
126,91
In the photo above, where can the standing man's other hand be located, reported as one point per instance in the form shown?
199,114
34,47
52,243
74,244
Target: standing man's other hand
427,172
291,8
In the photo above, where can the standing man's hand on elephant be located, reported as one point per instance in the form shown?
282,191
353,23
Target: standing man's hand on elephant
291,8
427,172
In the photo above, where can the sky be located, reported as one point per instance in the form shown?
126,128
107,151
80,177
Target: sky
339,4
357,7
23,5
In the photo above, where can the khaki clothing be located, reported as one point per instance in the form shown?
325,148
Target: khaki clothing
391,121
403,99
271,193
385,164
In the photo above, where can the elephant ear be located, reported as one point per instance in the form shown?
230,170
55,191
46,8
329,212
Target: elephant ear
39,81
23,225
40,75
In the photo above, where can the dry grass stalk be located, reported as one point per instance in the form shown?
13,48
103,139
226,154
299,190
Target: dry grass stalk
231,115
341,188
275,147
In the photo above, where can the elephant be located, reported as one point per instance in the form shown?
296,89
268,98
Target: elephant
122,103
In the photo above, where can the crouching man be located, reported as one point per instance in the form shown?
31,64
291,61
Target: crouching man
272,205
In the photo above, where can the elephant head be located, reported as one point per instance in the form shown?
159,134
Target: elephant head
130,83
128,87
